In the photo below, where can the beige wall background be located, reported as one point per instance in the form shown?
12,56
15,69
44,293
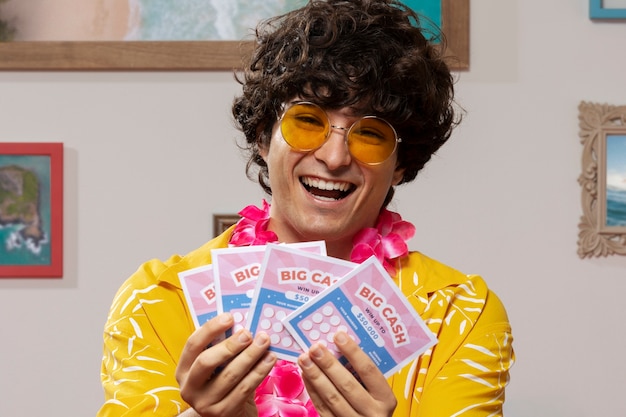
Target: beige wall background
150,156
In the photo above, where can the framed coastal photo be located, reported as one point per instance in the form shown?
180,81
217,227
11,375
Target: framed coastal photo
602,228
159,35
607,9
31,210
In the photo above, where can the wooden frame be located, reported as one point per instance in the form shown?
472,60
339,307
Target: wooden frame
187,55
598,124
44,227
221,222
597,10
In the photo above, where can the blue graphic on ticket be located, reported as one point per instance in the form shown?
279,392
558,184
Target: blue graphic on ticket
288,279
368,306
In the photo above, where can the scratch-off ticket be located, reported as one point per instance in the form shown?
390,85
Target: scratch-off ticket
289,278
198,286
236,271
371,309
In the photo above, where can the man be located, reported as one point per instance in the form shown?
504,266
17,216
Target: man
342,101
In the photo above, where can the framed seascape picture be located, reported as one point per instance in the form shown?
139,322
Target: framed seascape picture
614,171
166,35
31,210
602,229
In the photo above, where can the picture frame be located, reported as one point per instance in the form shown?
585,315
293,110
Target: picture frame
602,227
31,210
598,9
186,55
221,222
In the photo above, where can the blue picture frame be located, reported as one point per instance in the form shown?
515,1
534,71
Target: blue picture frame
598,11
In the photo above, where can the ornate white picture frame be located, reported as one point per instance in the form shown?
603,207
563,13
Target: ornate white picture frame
602,227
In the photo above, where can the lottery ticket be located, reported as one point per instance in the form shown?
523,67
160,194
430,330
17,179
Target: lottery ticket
236,270
289,278
198,286
371,309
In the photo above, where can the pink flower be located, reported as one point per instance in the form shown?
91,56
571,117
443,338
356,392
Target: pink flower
282,393
387,241
252,228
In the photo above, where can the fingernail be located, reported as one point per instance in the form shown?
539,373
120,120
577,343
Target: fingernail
305,361
340,338
269,358
316,351
244,336
225,318
260,339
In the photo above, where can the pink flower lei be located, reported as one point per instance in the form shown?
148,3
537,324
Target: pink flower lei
252,227
386,241
282,392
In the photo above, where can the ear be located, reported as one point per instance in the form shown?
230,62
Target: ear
262,150
398,174
261,144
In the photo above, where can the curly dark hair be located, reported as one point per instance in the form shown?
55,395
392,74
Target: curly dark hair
369,54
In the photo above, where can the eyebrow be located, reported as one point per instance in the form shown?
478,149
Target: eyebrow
349,111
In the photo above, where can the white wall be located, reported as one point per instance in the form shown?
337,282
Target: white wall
150,157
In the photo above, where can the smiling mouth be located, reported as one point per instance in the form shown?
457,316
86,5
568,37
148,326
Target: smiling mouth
327,190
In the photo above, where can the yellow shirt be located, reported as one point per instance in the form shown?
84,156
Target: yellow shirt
463,375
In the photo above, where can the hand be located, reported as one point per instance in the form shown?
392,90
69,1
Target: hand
244,363
335,391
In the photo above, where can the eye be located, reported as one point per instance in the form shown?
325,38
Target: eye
370,136
308,120
374,132
308,117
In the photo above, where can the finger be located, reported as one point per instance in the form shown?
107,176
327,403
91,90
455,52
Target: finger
247,385
334,385
247,369
367,371
225,393
217,356
200,339
315,382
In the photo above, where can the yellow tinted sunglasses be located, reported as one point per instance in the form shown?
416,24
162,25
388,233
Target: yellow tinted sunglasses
306,127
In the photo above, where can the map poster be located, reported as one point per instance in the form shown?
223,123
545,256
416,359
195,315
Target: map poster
31,210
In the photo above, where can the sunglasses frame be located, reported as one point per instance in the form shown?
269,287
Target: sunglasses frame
331,126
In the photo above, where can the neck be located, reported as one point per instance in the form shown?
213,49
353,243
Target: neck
386,241
338,248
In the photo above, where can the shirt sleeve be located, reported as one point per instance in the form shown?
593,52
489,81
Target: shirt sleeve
139,361
471,382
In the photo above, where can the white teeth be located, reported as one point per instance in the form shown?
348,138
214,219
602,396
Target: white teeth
326,185
319,197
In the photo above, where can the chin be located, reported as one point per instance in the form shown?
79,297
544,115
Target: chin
326,230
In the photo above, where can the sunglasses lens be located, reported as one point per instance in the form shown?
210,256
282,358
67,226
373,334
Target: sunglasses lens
304,126
371,140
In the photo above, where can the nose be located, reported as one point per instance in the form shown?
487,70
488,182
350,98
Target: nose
334,152
344,129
